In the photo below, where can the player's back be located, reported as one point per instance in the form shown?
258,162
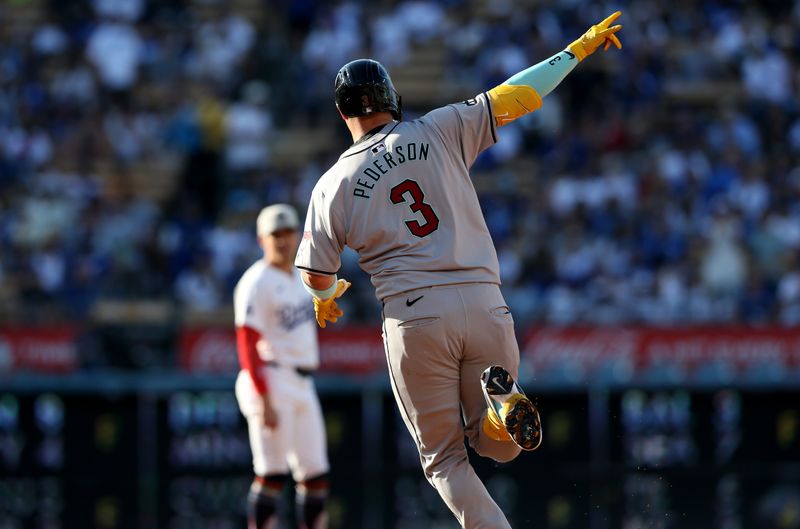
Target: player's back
403,199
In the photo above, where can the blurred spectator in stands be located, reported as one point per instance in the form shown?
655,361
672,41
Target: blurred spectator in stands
757,299
27,146
198,129
788,292
115,50
197,287
424,20
132,135
390,37
734,134
724,266
783,222
49,267
230,246
248,131
751,194
335,39
49,39
124,226
222,40
766,73
73,86
768,251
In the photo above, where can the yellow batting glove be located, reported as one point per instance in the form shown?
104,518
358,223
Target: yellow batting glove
326,310
597,36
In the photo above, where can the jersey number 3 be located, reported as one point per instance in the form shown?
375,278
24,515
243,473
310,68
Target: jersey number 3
417,204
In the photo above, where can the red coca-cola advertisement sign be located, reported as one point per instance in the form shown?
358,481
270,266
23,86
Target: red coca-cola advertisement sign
578,351
348,350
46,350
208,350
354,350
638,348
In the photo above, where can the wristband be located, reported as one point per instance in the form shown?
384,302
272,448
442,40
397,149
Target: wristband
323,294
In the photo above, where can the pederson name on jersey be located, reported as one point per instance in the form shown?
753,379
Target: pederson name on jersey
385,162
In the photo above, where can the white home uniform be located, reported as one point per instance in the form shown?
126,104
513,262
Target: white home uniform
403,199
275,304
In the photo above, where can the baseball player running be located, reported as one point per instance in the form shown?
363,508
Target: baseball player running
402,198
277,348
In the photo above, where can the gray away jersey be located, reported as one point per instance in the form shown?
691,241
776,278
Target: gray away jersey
404,201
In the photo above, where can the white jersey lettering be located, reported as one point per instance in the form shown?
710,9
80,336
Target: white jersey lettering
403,200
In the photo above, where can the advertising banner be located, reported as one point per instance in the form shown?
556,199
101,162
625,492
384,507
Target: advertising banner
46,350
630,351
349,350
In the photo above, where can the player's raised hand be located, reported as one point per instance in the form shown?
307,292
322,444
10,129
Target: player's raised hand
602,34
327,310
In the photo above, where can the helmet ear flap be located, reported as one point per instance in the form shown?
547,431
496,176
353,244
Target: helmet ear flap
363,87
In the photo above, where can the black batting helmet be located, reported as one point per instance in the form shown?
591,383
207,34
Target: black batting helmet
364,87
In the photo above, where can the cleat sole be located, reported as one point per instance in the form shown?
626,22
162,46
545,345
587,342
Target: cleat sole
525,425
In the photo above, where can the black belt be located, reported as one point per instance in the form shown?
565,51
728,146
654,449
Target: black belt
302,371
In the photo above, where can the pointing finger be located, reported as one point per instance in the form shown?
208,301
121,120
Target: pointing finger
611,18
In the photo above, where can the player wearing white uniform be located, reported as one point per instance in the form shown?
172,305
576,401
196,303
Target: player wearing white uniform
402,198
278,351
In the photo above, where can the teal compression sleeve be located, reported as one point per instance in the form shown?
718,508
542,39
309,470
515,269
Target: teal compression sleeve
546,75
322,294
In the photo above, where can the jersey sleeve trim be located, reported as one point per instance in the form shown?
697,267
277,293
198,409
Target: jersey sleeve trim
378,137
249,359
491,116
313,271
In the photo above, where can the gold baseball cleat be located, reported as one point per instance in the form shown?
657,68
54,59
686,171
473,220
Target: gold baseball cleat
512,415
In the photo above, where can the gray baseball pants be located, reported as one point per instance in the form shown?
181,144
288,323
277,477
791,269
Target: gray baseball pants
436,348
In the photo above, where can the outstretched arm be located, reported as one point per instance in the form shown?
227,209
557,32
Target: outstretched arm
523,92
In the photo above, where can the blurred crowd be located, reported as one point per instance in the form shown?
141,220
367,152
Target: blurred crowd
659,184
